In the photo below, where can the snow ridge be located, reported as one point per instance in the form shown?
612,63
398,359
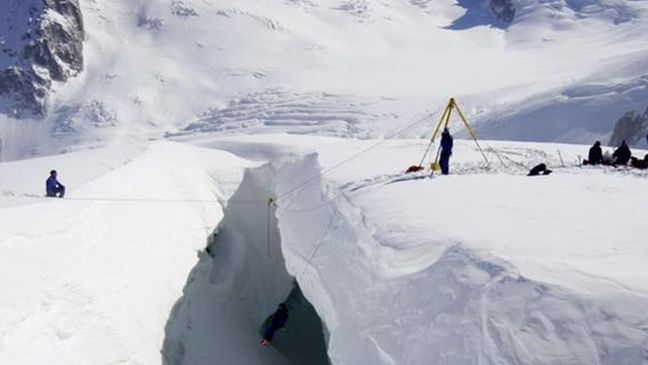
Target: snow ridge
380,305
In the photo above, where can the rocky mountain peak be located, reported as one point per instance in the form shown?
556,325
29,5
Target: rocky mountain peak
503,10
41,42
631,127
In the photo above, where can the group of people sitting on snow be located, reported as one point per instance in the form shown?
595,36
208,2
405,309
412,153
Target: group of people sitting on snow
620,157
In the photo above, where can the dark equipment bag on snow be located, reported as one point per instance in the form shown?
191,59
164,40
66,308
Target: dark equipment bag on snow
539,170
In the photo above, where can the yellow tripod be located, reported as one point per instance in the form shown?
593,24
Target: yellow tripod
443,123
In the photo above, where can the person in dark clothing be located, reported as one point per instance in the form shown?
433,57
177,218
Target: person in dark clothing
53,187
278,320
446,151
595,156
622,154
539,169
639,164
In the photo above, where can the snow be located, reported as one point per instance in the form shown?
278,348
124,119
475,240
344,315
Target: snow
482,265
216,154
95,280
154,67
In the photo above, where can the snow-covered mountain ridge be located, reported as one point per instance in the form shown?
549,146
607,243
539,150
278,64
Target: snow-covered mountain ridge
156,66
223,156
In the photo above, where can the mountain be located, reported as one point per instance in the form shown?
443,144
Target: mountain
632,128
221,157
41,43
526,70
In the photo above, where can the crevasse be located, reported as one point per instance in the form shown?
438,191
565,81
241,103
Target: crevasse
463,307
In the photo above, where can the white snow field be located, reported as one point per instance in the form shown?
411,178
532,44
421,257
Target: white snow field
479,267
93,281
561,71
483,266
221,157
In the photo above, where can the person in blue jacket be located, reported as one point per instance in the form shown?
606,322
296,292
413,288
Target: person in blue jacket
53,187
278,320
446,151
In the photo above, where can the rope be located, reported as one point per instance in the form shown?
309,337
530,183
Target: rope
311,209
320,241
289,191
519,164
138,200
268,227
356,156
494,151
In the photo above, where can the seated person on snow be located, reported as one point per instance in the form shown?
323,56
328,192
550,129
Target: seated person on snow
622,154
595,155
53,187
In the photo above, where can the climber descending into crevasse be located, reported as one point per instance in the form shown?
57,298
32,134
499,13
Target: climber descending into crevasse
275,322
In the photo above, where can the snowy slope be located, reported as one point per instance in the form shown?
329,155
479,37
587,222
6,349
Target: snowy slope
154,66
92,278
486,266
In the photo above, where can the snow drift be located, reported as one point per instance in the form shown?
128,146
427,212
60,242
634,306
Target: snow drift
379,304
91,279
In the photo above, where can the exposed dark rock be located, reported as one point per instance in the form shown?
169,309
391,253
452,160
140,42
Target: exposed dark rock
631,127
151,23
42,42
502,9
493,13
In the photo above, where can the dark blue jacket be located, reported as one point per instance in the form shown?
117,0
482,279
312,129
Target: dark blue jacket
595,155
279,318
446,144
622,154
51,185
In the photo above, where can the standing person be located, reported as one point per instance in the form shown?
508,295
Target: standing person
595,156
278,320
622,154
53,187
446,151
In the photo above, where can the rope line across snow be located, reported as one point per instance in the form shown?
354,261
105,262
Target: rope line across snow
357,155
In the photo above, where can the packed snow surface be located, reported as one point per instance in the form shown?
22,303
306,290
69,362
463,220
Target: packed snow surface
483,266
93,281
